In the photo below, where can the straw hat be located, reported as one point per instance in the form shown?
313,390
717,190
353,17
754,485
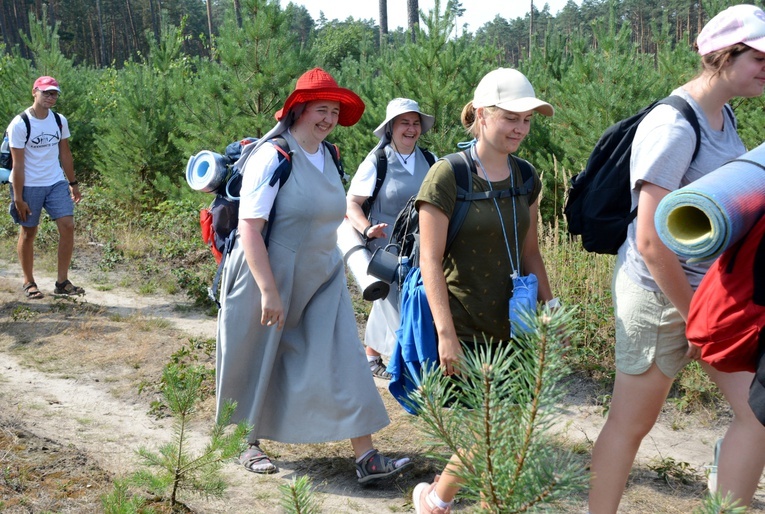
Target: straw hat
399,106
317,84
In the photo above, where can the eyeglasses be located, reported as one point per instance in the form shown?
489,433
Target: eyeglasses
51,93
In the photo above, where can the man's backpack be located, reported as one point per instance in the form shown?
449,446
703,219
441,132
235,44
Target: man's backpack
382,169
6,159
220,219
599,201
728,309
405,234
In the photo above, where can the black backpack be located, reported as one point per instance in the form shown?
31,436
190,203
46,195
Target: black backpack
224,211
599,202
6,159
405,234
382,169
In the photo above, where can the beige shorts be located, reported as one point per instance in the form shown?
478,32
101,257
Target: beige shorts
648,329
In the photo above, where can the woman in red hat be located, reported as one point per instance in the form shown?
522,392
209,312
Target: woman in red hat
288,349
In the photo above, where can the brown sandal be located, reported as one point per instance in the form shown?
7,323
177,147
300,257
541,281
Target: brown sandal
33,295
67,288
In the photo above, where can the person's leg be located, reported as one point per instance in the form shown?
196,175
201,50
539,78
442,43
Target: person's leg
26,252
739,468
636,403
449,483
65,246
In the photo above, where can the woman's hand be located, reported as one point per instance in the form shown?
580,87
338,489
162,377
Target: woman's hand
376,231
450,354
273,312
694,352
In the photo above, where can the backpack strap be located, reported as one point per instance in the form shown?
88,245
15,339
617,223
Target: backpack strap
25,119
684,108
464,166
429,156
381,168
281,174
334,152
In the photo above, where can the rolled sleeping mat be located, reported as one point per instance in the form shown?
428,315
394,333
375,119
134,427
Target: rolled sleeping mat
701,220
356,256
206,171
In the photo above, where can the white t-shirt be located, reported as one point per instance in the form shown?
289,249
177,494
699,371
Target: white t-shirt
257,196
41,164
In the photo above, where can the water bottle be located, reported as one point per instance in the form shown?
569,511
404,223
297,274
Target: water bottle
5,160
403,269
5,151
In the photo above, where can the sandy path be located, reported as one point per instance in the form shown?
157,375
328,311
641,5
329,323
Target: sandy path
83,413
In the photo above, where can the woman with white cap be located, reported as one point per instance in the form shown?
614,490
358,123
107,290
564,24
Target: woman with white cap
652,287
498,235
385,180
288,351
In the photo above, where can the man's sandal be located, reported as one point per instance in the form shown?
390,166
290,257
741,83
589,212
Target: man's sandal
377,467
67,288
255,460
32,292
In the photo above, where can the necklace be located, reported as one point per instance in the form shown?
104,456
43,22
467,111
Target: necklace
403,159
34,114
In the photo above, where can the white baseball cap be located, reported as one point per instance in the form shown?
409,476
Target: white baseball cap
737,24
509,89
399,106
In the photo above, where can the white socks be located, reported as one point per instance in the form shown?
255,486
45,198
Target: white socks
434,500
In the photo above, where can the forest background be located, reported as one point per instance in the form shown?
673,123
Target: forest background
145,85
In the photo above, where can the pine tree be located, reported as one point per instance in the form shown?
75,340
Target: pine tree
501,409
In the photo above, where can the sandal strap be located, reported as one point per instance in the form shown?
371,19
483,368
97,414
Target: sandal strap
378,369
375,463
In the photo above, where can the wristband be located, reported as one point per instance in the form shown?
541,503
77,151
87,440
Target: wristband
365,234
74,183
553,304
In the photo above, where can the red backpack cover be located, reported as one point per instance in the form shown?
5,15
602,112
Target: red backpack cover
728,309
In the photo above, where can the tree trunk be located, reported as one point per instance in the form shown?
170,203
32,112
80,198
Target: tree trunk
4,31
238,13
133,32
413,17
210,26
154,23
102,47
383,22
531,26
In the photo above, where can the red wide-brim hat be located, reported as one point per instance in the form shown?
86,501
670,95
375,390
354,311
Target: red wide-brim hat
317,84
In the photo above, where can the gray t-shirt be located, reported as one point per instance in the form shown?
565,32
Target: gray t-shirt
661,154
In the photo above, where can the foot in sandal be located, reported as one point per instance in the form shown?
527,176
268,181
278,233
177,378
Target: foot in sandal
32,292
255,460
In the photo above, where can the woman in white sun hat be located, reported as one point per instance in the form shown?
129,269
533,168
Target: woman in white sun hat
390,174
652,287
468,290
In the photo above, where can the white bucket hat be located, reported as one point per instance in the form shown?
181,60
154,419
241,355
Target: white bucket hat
399,106
510,90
